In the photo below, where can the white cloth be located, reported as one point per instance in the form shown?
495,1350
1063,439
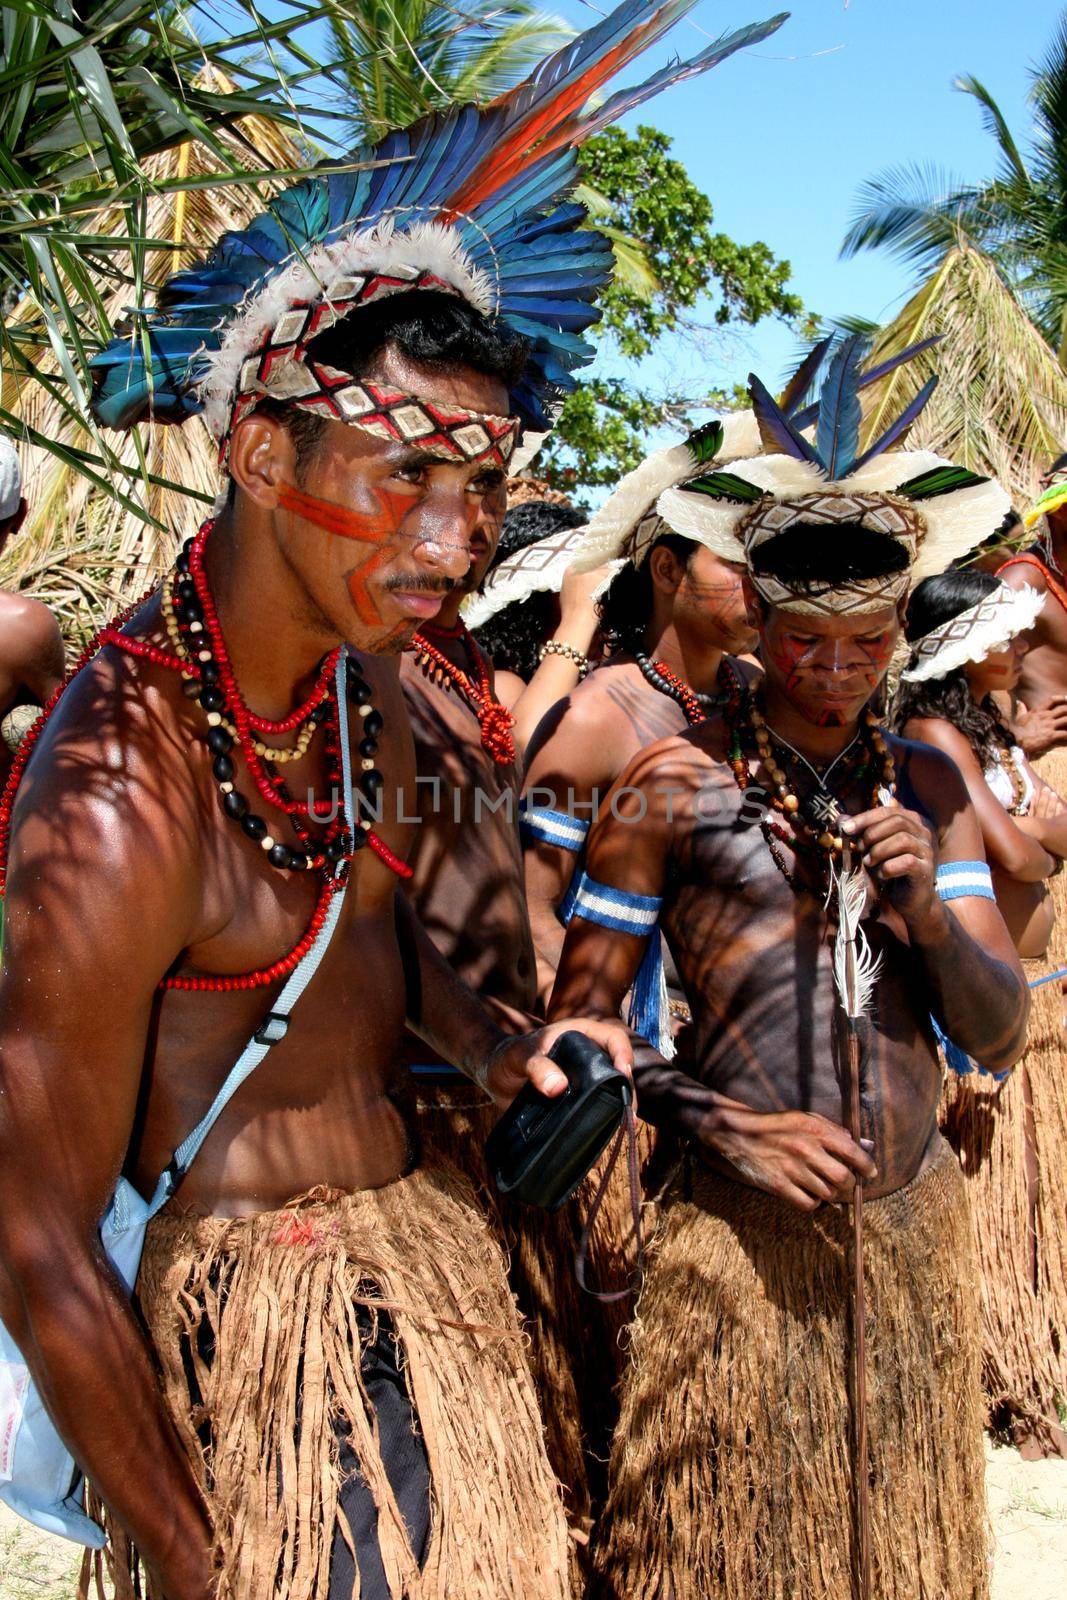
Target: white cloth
10,479
999,780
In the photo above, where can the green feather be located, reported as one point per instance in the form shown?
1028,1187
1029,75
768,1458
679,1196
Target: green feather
705,443
724,486
940,480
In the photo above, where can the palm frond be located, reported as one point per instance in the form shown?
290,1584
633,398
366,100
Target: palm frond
1000,407
915,211
996,125
104,523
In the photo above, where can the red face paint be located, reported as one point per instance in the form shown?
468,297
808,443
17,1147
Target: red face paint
827,677
378,528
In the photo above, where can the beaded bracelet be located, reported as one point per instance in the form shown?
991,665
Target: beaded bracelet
552,648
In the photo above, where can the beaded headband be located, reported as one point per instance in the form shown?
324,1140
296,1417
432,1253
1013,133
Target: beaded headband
974,634
884,514
279,369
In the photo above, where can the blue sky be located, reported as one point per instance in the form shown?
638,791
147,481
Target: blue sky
781,137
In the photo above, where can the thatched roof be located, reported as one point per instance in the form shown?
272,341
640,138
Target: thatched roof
81,551
1001,404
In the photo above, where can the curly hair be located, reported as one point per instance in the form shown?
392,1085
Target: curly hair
934,601
514,636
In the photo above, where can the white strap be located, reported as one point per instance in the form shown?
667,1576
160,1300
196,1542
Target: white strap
276,1023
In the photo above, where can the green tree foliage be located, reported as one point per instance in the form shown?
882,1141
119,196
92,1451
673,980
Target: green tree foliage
638,192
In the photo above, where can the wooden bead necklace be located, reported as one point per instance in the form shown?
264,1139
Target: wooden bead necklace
815,833
494,720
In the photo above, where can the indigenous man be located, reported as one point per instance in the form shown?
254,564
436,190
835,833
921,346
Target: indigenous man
674,613
332,1398
31,645
730,1471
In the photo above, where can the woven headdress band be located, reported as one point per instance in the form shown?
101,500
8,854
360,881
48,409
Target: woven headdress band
883,514
975,633
281,370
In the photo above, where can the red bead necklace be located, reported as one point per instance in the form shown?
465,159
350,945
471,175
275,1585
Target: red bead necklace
191,665
494,720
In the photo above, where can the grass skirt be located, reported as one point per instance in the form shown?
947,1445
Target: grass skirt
1012,1143
1011,1139
731,1475
576,1341
276,1295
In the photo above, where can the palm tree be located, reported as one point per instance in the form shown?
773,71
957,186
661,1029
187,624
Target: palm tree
81,551
1000,406
398,59
1018,217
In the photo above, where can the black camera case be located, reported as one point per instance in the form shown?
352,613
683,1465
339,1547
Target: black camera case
542,1148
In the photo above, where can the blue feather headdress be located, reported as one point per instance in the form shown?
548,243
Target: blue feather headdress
813,474
469,201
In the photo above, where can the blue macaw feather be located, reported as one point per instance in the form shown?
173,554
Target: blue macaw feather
498,175
804,419
803,378
900,427
776,430
837,435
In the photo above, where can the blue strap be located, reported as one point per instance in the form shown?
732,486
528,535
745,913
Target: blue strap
275,1025
957,879
557,828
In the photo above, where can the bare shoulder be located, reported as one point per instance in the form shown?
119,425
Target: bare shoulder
942,735
933,776
684,759
1018,573
578,735
29,617
109,796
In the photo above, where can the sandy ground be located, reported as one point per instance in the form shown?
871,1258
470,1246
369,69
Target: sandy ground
1027,1505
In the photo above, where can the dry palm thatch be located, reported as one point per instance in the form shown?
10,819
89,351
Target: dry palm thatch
1001,404
82,551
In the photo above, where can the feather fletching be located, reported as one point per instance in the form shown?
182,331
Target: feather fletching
776,430
856,967
705,443
723,486
837,434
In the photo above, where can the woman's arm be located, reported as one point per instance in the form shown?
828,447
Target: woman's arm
1009,848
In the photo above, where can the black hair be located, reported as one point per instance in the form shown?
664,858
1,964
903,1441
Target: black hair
1057,466
439,331
809,554
1010,532
626,607
934,601
514,636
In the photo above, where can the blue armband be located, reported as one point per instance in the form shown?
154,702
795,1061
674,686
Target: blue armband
552,827
649,1013
955,879
615,908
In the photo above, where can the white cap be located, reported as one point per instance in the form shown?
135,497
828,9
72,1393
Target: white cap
10,479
